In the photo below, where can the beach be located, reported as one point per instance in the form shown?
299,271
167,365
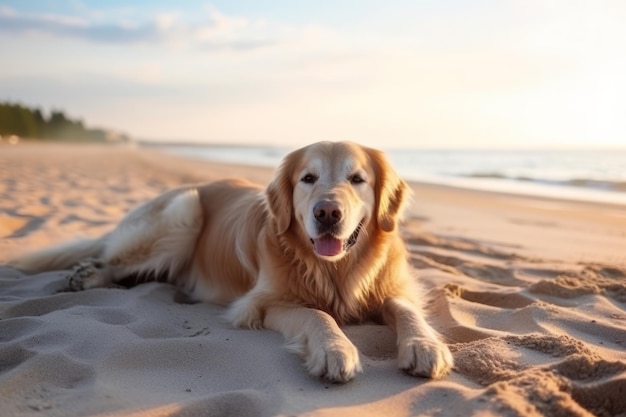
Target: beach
529,292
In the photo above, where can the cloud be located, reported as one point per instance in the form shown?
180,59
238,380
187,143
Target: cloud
75,27
229,33
215,32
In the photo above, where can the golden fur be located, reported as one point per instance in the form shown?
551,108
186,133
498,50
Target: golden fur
319,247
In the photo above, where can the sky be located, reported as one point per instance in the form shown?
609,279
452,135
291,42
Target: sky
414,73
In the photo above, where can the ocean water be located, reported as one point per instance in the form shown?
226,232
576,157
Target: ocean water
586,175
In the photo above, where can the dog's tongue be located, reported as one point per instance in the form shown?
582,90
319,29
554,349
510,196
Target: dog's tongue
328,246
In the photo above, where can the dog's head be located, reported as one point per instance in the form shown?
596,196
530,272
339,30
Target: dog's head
332,193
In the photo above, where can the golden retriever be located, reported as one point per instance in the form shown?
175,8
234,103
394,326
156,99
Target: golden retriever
319,247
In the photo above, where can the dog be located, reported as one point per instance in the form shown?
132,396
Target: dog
318,248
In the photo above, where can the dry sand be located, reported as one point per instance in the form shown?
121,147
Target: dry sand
530,293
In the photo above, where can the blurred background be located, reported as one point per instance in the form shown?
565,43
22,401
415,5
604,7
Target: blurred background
495,90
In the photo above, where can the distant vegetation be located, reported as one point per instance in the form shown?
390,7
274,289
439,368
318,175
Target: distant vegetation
31,123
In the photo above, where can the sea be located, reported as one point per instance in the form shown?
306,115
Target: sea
581,175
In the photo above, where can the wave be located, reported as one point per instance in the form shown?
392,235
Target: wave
596,184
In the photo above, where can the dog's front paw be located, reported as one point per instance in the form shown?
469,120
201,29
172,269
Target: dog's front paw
85,275
336,360
245,313
424,357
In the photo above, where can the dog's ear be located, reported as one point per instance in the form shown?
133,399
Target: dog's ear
391,191
280,193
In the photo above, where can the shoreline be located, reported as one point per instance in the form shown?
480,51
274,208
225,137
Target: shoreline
575,188
481,184
228,166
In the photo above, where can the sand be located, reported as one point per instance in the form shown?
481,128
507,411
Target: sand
530,293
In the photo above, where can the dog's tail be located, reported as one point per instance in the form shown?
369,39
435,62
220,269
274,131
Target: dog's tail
59,257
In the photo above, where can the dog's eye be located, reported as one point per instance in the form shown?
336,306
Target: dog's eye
356,179
309,179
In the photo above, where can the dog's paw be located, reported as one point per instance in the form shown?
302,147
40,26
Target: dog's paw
424,357
85,275
335,361
245,314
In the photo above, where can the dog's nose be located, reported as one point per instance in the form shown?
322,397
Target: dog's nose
327,212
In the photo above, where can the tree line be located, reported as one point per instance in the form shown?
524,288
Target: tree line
31,123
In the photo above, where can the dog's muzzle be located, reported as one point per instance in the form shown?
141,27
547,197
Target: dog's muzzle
328,245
